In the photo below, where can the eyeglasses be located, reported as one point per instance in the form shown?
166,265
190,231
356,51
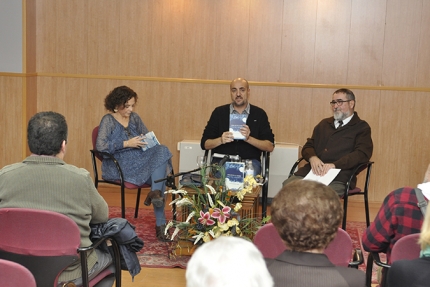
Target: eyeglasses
338,102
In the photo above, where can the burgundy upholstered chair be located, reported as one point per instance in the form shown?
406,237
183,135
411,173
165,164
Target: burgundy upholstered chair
100,156
46,242
14,275
406,247
340,251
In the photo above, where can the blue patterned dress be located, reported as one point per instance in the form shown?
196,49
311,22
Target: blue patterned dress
137,165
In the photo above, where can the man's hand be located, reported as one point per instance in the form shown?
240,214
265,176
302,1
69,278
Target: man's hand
318,167
226,137
245,131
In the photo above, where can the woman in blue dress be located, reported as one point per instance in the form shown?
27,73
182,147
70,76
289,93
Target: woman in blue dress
120,133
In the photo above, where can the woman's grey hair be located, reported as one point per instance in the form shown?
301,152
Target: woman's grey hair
222,261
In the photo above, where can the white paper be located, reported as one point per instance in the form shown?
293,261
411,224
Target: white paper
325,179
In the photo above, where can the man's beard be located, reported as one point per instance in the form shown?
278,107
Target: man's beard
339,116
243,103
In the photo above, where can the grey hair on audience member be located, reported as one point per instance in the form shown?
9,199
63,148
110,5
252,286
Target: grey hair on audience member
228,261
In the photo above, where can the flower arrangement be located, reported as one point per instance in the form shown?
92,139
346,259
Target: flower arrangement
212,210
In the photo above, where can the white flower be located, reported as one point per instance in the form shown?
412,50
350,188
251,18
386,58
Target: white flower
179,191
198,237
211,203
183,201
212,190
190,216
170,224
175,233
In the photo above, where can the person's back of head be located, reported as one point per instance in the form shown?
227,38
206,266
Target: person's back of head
306,214
228,261
46,132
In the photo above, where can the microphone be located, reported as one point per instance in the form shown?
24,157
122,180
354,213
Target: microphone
224,160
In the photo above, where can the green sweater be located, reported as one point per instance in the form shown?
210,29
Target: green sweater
45,182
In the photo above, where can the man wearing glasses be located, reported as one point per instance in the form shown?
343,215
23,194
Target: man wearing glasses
342,141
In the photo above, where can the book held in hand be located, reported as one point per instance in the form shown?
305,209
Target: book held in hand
236,122
151,141
234,172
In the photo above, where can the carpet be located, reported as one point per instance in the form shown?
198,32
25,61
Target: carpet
158,254
154,254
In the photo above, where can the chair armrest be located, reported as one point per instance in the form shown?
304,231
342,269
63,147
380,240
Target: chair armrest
102,154
357,258
377,260
293,169
116,259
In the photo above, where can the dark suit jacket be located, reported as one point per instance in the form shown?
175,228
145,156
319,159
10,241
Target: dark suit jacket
411,273
345,147
298,269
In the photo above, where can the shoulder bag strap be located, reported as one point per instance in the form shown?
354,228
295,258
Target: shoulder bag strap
422,203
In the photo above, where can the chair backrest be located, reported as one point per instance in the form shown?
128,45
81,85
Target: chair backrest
270,244
406,247
268,241
15,275
45,242
94,135
339,251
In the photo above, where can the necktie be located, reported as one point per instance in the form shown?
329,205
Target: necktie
340,124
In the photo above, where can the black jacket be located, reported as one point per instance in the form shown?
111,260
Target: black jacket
123,233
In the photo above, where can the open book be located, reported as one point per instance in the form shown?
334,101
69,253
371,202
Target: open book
236,122
325,179
151,141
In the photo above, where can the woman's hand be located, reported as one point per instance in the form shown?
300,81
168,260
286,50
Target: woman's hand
136,142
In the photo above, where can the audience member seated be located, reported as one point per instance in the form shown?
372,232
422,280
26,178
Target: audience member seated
398,216
44,181
342,141
226,262
257,133
413,273
121,133
307,215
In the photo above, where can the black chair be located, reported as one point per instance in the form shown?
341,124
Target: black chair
100,156
265,162
350,192
46,242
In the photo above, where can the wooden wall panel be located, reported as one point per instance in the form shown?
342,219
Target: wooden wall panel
11,119
298,41
332,41
265,40
423,60
366,42
401,45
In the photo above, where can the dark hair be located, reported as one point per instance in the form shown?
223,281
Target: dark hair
46,132
349,94
118,97
306,214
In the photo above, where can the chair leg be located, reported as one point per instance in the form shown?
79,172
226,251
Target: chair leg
345,211
136,210
122,201
369,269
366,209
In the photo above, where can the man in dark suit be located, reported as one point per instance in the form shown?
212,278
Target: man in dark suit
307,215
342,141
